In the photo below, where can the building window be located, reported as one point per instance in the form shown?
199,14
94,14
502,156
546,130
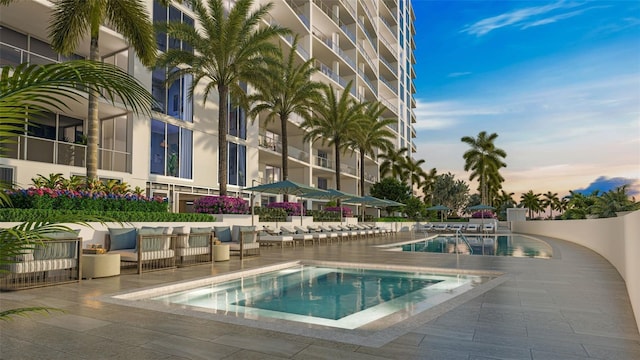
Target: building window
271,174
237,164
170,14
171,150
114,142
17,48
322,183
174,100
237,125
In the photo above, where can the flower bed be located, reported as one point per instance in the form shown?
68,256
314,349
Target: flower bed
221,205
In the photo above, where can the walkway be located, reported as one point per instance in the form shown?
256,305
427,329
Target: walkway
574,306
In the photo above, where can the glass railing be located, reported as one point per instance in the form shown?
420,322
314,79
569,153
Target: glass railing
297,10
348,169
49,151
367,58
387,44
394,69
11,55
366,80
370,177
393,88
332,75
323,162
390,27
270,144
296,153
368,36
389,105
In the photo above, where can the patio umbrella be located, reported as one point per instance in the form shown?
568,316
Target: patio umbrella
331,194
440,208
285,187
481,208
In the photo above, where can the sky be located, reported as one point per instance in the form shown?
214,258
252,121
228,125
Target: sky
558,81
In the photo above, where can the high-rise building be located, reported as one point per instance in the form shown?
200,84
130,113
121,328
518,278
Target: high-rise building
174,152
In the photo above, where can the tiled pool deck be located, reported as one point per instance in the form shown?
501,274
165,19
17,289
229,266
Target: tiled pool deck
574,306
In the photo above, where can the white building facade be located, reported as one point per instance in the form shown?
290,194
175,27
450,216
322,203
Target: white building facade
174,153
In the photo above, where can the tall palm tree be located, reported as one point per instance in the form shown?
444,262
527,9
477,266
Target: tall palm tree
485,161
336,119
531,201
393,162
45,88
230,49
413,172
285,88
427,184
551,201
72,20
374,134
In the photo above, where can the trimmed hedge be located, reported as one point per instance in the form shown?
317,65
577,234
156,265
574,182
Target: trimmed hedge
48,215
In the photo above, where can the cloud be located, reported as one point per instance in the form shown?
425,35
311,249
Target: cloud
459,74
440,115
604,184
524,18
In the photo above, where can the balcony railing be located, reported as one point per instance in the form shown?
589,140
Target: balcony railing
323,162
332,75
296,153
49,151
299,13
270,144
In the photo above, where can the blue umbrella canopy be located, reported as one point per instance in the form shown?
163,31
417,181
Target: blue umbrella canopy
331,194
285,187
369,200
481,207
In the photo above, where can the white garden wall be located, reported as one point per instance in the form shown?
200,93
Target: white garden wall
616,239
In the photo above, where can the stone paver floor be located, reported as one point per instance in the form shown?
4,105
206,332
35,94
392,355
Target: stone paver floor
574,306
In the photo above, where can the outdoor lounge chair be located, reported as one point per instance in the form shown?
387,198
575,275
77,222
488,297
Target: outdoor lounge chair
302,238
457,227
330,234
488,228
148,248
194,246
440,227
472,227
269,236
317,237
341,235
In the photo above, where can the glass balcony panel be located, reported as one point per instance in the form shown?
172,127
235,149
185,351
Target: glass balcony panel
41,150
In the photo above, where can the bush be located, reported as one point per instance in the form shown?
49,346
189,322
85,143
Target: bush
487,214
48,215
267,214
346,212
221,205
292,208
319,215
58,199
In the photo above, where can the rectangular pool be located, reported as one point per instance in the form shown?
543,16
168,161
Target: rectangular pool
334,295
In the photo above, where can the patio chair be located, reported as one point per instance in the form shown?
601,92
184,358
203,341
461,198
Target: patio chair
472,228
340,235
440,227
302,238
319,229
268,237
317,237
488,228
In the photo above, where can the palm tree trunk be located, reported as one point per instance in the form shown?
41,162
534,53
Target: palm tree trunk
337,157
285,151
93,120
362,181
223,91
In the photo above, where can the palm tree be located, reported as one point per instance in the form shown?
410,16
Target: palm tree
413,172
336,119
393,162
374,134
485,161
427,184
42,88
531,201
230,49
612,201
551,201
72,20
285,88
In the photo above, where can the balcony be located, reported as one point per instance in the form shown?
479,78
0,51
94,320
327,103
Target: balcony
64,153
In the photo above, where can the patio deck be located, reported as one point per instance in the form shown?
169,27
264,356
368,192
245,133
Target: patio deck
574,306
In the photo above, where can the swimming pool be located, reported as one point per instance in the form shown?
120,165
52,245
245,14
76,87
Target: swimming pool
335,295
498,245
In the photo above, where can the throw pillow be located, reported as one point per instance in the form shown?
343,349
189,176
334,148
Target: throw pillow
122,239
223,233
152,238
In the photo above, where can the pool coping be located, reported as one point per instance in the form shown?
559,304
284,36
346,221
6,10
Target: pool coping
375,334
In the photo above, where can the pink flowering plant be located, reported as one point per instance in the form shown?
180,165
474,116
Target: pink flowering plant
221,205
346,212
292,208
487,214
63,199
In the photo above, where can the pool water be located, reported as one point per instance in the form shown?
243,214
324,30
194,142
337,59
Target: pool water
342,297
498,245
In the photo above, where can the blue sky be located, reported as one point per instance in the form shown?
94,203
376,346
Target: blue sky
558,81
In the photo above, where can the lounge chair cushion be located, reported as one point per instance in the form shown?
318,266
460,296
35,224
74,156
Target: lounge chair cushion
122,239
223,233
73,234
199,236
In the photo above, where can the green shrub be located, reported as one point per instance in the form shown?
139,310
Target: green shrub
48,215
